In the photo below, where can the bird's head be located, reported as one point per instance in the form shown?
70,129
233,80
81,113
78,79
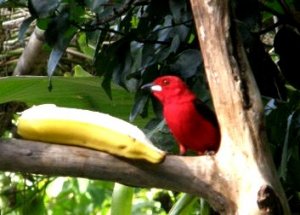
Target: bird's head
169,89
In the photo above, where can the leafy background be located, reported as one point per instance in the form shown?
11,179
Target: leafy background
100,53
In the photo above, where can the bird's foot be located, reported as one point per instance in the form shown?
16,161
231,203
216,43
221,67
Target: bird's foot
208,152
182,149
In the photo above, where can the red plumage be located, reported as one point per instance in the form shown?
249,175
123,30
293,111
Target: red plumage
191,122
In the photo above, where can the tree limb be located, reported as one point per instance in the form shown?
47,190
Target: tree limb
178,173
33,55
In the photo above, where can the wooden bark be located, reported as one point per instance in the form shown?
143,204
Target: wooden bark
178,173
33,55
243,163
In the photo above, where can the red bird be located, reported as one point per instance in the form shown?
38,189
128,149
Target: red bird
191,122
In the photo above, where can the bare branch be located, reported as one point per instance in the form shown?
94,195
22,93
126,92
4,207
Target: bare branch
184,174
33,55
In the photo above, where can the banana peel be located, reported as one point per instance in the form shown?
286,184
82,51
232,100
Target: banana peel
84,128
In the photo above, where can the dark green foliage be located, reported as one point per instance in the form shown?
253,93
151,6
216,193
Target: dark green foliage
287,46
13,3
41,9
250,23
283,129
24,27
25,196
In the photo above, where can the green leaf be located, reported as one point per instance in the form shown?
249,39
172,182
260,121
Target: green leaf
95,5
205,208
183,206
84,93
136,51
58,35
69,92
42,8
275,5
285,155
175,44
139,106
35,207
177,8
106,85
58,50
24,26
99,44
187,63
122,200
54,58
80,72
84,43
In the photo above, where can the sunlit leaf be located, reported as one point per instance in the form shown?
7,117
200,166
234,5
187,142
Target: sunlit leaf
122,199
80,72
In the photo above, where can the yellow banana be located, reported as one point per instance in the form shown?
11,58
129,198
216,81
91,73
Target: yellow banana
89,129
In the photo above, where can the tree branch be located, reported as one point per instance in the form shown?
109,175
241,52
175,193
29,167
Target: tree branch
33,55
183,174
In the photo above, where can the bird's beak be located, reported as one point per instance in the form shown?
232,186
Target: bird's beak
152,87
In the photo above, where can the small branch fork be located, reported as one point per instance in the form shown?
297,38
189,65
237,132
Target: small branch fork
195,175
244,160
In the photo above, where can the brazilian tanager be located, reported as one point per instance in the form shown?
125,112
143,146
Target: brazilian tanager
191,122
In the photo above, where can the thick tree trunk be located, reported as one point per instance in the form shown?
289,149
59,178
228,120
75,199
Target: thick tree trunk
244,163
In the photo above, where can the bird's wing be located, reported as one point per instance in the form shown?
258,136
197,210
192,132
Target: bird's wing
206,112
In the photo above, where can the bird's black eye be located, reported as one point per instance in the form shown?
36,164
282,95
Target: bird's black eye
166,82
